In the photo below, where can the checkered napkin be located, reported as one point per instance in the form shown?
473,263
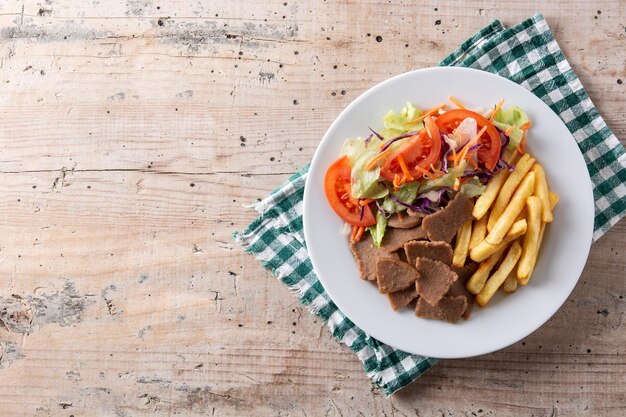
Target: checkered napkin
527,54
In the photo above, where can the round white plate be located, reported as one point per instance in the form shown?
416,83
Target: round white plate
506,319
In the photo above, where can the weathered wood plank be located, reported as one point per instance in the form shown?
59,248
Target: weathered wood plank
132,133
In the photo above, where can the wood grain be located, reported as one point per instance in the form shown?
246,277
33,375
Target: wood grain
131,135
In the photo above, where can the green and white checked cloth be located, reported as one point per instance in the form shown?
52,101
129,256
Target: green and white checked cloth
527,54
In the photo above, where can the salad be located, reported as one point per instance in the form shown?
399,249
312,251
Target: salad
419,160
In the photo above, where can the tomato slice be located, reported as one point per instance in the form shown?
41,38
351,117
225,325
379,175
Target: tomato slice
337,188
419,150
489,152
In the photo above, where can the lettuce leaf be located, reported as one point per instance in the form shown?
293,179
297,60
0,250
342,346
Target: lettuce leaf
378,230
397,124
352,148
446,180
364,183
473,188
406,194
399,121
513,116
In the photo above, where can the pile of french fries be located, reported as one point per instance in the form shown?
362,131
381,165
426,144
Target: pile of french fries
510,218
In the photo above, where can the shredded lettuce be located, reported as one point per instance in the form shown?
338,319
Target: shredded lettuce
399,121
513,116
396,124
406,194
352,148
473,188
446,180
364,183
378,231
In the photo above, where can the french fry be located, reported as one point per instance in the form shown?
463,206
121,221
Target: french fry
477,281
479,231
542,229
554,199
541,191
498,278
462,244
530,248
522,215
491,193
506,193
484,250
510,284
515,206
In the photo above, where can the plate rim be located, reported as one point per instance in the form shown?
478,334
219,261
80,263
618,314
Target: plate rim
381,85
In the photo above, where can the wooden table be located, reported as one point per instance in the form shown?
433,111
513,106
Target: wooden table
132,134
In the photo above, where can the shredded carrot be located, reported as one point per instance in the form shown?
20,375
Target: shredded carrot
526,125
457,103
471,143
521,148
353,235
472,162
427,174
457,184
366,201
429,122
397,182
428,113
459,157
359,233
405,170
453,154
437,171
496,110
399,215
372,164
509,131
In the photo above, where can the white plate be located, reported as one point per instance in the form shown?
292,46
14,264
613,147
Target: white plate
505,320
